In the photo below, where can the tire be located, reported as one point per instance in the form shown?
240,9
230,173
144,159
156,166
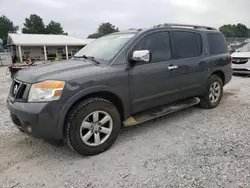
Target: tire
206,99
84,112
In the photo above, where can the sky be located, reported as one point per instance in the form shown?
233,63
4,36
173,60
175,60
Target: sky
82,17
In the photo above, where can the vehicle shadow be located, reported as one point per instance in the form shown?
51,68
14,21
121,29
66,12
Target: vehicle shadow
127,134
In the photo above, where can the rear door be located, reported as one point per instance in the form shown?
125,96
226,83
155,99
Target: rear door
153,84
188,54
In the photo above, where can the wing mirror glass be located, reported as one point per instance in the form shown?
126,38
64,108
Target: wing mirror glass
141,56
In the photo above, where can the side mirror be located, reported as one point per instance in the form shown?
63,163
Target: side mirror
141,56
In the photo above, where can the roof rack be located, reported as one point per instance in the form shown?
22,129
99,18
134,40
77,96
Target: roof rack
186,25
135,29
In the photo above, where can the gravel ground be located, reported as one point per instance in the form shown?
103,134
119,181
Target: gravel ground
190,148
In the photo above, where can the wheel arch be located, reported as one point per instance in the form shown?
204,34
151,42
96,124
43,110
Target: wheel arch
220,74
113,98
104,94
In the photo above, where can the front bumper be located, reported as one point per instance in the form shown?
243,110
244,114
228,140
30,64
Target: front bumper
241,71
241,68
37,119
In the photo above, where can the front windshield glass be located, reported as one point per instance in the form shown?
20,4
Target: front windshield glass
105,48
245,48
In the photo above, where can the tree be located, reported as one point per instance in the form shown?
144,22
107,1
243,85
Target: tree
6,26
227,30
238,30
104,29
34,25
54,28
242,30
94,36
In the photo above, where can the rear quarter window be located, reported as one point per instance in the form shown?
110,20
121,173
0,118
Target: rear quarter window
217,44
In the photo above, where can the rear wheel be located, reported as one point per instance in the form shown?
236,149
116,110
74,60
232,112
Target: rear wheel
213,93
93,126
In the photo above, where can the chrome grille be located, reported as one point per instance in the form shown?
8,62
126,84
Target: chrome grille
239,60
18,89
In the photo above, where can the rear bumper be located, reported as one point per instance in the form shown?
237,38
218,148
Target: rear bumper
36,119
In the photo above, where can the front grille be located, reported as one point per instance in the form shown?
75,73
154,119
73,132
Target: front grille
18,90
239,60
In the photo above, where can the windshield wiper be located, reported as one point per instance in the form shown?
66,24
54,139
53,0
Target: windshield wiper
89,58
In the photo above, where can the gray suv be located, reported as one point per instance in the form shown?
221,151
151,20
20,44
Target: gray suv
121,79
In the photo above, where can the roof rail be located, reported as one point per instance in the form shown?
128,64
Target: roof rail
186,25
135,29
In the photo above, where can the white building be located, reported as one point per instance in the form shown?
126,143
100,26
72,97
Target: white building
45,47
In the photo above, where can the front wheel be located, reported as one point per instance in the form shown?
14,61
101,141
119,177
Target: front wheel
93,126
213,93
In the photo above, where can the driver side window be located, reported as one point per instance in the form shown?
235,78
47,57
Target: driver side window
158,44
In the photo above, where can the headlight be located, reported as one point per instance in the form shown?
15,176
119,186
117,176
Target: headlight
46,91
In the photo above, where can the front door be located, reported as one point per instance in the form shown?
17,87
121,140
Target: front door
153,84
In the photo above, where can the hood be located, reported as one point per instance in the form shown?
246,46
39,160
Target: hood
241,54
64,70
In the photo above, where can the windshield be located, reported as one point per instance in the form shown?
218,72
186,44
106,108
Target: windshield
105,48
245,48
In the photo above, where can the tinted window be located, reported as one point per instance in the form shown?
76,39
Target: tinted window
217,44
158,44
186,44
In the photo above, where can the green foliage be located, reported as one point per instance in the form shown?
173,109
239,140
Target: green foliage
94,36
104,29
238,30
34,24
6,26
241,31
54,28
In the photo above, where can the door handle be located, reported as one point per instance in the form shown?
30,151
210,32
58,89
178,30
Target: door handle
172,67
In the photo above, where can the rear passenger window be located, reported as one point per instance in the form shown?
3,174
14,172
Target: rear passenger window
158,44
186,44
217,44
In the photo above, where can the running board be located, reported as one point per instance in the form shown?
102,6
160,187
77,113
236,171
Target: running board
164,110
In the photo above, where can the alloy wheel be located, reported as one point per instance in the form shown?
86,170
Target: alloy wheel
96,128
214,92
